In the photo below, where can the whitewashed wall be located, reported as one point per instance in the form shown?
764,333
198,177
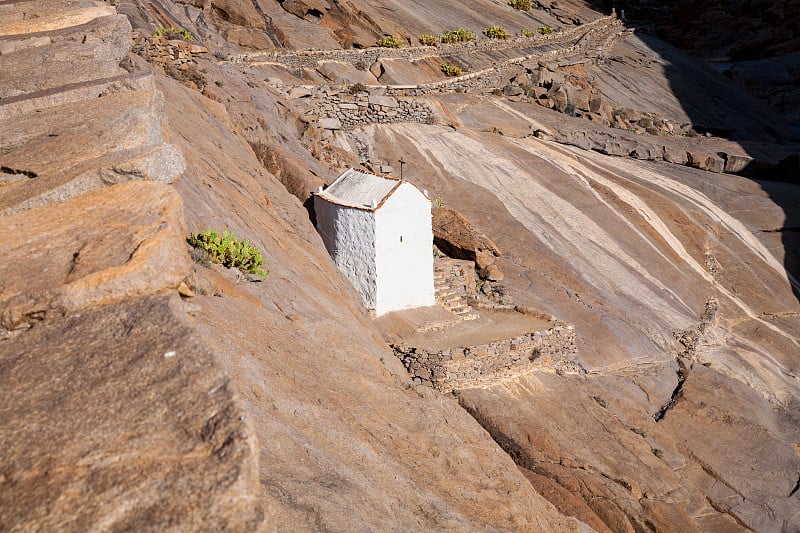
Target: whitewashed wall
404,267
349,236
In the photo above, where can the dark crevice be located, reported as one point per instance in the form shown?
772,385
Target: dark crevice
14,171
683,371
796,487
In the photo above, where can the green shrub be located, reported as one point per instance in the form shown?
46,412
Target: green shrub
173,33
390,41
496,32
428,40
522,5
228,251
526,33
451,70
357,88
545,30
457,36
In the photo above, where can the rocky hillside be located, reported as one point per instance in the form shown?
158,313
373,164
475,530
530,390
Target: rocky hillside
147,388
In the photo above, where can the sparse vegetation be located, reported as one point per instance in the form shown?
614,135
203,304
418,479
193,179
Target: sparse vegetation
357,88
438,202
457,36
228,251
496,32
390,41
522,5
451,70
545,30
526,33
429,40
173,33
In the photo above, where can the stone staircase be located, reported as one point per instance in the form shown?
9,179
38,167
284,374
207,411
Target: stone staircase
450,279
82,122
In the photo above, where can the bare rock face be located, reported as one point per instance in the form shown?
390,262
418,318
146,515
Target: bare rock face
117,418
240,12
107,245
340,72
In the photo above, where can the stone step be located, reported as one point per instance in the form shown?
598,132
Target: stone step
70,141
162,164
93,53
51,15
74,93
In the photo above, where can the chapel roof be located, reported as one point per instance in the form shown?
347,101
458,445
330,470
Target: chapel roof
361,190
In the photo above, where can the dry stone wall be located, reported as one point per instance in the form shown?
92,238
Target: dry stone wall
362,58
487,364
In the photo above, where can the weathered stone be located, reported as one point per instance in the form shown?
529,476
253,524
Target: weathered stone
343,72
241,12
118,242
674,154
457,237
385,101
706,161
300,91
493,273
49,15
735,163
330,123
513,90
9,47
63,57
128,422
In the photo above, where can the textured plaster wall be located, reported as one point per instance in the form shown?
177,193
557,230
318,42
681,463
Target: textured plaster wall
405,268
349,236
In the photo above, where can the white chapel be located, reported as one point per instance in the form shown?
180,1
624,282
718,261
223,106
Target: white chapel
378,231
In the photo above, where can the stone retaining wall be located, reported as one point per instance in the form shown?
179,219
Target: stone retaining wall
336,107
296,60
487,364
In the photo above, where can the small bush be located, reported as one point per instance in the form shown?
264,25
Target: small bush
451,70
545,30
390,41
428,40
496,32
522,5
526,33
173,33
357,88
457,36
228,251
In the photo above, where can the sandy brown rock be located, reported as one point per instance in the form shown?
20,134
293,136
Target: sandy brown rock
240,12
118,418
104,246
340,72
48,15
458,238
105,39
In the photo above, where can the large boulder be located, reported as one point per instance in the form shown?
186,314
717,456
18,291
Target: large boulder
458,238
342,72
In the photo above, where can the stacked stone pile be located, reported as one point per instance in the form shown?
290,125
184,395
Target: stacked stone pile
486,364
166,52
346,108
